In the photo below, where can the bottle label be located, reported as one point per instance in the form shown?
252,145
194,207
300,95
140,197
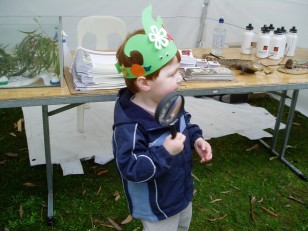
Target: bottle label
274,53
219,41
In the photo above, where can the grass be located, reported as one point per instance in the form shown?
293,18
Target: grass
224,187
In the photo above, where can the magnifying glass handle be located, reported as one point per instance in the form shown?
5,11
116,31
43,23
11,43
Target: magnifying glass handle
173,131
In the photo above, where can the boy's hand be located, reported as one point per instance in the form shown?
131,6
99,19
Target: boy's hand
176,145
204,150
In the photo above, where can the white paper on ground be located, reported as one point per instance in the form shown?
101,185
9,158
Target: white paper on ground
71,166
68,145
220,119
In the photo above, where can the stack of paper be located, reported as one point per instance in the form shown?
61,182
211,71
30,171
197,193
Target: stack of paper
94,70
202,63
187,58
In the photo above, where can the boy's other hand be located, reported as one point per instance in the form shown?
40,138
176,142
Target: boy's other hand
204,150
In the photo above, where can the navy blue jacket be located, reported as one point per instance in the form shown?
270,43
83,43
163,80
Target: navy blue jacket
157,185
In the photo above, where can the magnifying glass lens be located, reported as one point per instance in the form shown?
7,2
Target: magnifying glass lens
168,110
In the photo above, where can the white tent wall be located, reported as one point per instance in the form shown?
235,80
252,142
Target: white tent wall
181,18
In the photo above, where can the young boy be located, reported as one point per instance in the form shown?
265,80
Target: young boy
155,169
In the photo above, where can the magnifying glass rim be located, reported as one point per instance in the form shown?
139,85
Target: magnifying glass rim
164,101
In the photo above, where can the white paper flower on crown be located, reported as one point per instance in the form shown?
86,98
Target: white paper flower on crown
159,37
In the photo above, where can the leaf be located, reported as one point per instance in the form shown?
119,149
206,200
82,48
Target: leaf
295,199
128,219
194,176
18,125
251,210
42,210
216,200
26,32
96,221
13,134
194,192
3,162
264,182
29,184
117,196
136,229
101,172
216,211
225,192
256,146
10,154
273,157
20,211
234,187
218,218
108,226
114,224
98,191
116,193
92,224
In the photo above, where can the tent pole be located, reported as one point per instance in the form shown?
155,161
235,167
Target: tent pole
202,21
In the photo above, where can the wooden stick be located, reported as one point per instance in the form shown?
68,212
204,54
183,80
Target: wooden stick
295,199
251,212
269,211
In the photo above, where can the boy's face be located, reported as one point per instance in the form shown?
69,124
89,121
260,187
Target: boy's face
168,80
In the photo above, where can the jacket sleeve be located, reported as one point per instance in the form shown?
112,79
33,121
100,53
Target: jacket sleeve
194,130
135,160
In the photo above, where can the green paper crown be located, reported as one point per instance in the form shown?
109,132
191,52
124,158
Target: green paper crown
156,47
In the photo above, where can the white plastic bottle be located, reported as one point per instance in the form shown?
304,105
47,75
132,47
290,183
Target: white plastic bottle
283,42
67,57
219,38
275,45
271,29
56,36
263,43
291,42
247,40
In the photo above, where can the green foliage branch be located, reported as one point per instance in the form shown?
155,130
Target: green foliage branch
37,52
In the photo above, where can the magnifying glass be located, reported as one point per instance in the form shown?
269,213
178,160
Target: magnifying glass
168,111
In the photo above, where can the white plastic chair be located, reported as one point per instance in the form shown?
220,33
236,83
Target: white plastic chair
102,27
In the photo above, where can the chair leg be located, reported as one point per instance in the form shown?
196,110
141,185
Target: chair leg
80,118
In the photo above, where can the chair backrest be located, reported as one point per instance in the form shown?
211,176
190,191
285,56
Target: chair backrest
101,27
